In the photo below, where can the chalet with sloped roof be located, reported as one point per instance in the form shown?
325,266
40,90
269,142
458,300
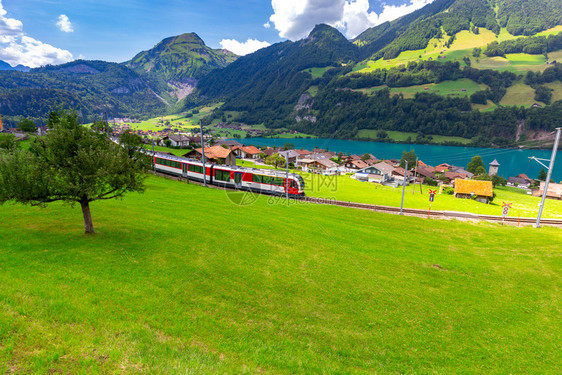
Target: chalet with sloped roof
482,191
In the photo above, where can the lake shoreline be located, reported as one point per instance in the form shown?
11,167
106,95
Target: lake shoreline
513,161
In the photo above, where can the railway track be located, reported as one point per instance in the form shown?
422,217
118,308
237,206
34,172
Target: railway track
519,221
437,214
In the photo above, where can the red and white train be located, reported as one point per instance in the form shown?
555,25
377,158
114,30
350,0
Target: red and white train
263,181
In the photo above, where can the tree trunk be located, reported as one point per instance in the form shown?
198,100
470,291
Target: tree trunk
88,223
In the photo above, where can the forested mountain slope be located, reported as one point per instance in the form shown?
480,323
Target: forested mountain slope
92,87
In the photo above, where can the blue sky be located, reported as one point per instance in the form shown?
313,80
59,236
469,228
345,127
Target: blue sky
38,32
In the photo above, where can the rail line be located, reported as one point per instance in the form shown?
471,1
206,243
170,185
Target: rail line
450,215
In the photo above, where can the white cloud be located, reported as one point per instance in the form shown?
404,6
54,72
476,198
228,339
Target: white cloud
18,48
241,49
294,19
267,25
64,24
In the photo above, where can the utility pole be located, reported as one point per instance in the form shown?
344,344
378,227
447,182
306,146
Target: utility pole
550,168
404,187
415,173
203,154
153,156
287,177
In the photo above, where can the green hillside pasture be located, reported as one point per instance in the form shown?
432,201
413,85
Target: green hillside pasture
467,40
557,87
403,136
463,45
554,30
519,94
180,280
317,72
513,62
556,55
313,90
443,88
349,189
489,106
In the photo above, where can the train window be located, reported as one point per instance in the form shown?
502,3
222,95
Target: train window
256,178
279,181
294,184
222,175
195,168
267,179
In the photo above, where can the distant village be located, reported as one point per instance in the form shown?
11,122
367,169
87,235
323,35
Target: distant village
367,168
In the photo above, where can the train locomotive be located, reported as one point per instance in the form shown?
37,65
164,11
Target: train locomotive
262,181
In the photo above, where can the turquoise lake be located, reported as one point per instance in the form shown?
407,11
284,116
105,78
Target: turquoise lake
512,161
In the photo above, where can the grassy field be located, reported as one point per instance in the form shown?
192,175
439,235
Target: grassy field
181,280
467,40
403,136
454,88
345,188
348,189
557,90
519,94
317,72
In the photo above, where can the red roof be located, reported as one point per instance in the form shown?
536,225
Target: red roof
359,164
253,150
215,152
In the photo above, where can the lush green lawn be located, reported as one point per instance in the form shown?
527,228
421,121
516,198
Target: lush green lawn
348,189
345,188
181,280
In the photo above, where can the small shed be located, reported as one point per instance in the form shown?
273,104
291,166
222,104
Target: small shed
482,191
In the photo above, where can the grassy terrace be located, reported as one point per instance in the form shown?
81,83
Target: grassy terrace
180,280
348,189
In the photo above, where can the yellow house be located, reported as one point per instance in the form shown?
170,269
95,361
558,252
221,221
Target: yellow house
482,191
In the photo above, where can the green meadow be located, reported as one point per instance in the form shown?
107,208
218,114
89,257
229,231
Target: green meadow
345,188
182,280
461,87
519,94
398,136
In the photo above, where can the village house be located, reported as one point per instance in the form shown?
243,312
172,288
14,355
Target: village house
325,166
214,154
442,168
269,151
452,176
554,190
380,172
481,191
303,153
398,174
176,140
355,164
518,182
424,172
231,144
462,171
291,154
304,163
247,152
